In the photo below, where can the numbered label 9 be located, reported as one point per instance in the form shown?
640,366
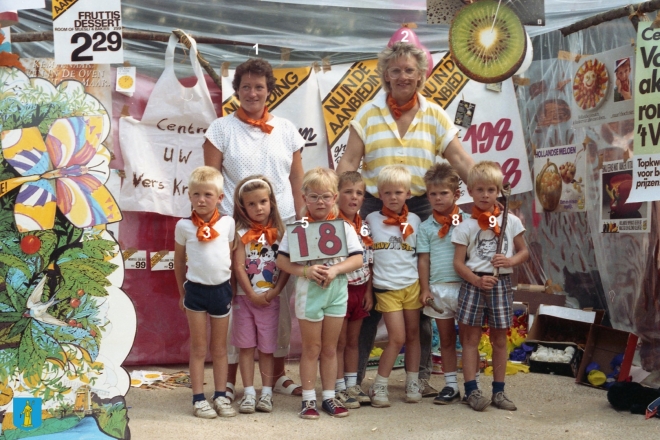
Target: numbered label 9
316,240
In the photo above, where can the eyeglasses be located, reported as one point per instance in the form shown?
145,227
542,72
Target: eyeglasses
396,72
313,198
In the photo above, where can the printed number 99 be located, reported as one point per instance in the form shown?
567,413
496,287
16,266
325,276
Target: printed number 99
140,264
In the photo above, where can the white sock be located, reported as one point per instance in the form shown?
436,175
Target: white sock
351,379
249,390
380,380
412,376
266,391
328,394
450,380
309,395
340,385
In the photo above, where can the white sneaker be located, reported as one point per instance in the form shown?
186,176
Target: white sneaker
223,407
378,395
248,404
356,392
413,392
203,410
265,403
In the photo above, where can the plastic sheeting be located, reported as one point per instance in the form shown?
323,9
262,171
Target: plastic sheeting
616,272
311,29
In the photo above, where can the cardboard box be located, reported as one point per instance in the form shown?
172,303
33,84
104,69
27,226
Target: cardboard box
563,324
602,346
559,368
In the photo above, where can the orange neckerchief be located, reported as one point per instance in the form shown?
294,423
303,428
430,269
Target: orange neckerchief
205,231
357,225
257,230
446,220
330,216
396,109
483,218
398,219
261,123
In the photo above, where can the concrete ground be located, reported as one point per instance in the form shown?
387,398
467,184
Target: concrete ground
549,407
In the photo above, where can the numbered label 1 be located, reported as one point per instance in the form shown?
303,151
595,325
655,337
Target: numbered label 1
162,260
137,260
319,240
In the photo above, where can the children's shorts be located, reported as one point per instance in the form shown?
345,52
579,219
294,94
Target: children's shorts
396,300
214,300
355,310
314,302
475,304
255,326
445,297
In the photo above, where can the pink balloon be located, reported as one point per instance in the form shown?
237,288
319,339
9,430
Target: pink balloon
429,59
405,35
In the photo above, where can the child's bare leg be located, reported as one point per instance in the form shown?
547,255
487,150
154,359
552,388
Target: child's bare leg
266,366
396,331
198,344
246,363
311,349
232,371
219,328
341,350
331,329
447,331
498,340
351,350
413,349
470,337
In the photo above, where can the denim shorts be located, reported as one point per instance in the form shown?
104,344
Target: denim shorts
214,300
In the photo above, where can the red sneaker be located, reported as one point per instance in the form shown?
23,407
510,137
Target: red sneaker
309,410
334,408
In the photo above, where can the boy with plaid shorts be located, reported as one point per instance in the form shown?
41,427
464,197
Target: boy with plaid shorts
482,294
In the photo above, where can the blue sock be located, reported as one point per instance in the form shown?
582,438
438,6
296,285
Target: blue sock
219,394
498,387
470,386
198,397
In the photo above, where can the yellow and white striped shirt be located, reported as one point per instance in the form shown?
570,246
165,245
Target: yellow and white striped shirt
428,135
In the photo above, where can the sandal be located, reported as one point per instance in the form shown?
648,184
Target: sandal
280,389
231,392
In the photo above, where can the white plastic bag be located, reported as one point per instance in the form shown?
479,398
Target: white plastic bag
162,149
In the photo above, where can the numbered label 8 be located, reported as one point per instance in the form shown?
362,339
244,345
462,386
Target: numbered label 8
316,240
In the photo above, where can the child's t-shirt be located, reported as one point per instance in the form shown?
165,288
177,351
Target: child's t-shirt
259,265
481,245
440,250
362,274
209,262
352,244
395,259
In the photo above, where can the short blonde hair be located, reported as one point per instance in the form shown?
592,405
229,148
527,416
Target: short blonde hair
485,172
394,175
350,177
205,174
398,50
442,174
321,179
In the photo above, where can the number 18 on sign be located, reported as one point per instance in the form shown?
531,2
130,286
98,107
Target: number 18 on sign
87,32
316,240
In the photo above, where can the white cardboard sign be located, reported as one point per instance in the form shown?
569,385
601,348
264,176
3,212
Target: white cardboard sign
316,240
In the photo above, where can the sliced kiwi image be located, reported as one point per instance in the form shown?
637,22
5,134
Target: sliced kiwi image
487,52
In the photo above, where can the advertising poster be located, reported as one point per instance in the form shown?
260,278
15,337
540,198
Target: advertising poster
602,87
343,90
618,213
530,12
646,163
560,175
296,98
488,121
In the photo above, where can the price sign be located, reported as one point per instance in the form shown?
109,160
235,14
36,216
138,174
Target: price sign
316,240
162,260
134,259
87,31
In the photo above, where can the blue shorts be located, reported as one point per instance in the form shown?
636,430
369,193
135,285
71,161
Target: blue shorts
475,304
214,300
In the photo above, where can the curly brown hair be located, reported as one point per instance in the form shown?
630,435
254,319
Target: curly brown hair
258,67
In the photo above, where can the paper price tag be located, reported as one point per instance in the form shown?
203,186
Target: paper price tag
138,260
162,260
87,31
125,80
317,240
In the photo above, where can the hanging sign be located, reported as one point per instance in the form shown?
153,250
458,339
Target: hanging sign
87,31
